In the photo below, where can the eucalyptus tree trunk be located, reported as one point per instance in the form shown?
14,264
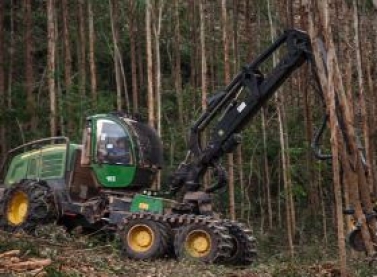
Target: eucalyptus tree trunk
67,65
266,169
348,84
193,48
132,33
120,76
236,54
203,54
29,76
58,86
213,42
362,102
285,14
81,49
51,64
140,50
92,63
328,83
373,88
177,63
301,21
372,111
289,205
11,56
3,143
344,140
157,33
314,196
224,16
114,17
251,12
251,39
151,109
67,46
236,66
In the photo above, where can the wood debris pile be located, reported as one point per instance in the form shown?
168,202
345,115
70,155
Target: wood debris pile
13,262
324,270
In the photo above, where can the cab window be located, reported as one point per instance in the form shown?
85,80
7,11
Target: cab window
32,169
113,143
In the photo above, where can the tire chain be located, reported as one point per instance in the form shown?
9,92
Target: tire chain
175,221
42,207
247,241
165,241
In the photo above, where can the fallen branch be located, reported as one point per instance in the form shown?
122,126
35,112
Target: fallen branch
30,265
11,261
10,253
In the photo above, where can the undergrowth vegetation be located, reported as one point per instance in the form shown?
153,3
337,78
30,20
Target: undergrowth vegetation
100,255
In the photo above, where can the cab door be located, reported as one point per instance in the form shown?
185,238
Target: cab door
112,151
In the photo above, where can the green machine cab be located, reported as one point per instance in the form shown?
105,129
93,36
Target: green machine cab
112,151
122,152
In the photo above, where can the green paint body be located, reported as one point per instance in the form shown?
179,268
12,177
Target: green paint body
47,163
114,176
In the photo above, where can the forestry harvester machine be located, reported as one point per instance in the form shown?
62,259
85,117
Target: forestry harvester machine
104,182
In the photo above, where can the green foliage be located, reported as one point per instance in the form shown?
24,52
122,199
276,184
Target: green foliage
25,246
54,271
363,269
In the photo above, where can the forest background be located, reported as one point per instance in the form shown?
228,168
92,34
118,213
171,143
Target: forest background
61,61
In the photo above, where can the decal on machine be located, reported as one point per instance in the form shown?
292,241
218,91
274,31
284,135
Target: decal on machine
143,206
111,178
241,107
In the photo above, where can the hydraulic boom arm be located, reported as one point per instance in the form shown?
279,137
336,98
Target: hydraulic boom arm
234,107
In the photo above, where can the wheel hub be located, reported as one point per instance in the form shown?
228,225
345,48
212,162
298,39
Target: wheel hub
140,238
17,208
198,243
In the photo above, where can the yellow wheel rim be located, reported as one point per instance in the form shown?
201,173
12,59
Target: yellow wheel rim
17,208
140,238
198,243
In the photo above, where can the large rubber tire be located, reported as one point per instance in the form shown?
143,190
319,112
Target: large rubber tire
26,205
244,250
144,239
208,243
